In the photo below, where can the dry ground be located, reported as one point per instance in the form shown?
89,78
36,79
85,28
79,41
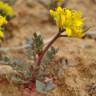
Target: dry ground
78,76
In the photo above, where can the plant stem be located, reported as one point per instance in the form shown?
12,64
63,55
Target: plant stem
35,73
47,47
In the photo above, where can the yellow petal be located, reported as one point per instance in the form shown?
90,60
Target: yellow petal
3,20
51,12
63,20
1,34
78,23
68,13
59,9
60,0
69,32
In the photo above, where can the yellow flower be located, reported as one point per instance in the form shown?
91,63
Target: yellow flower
60,0
70,20
1,34
75,32
7,9
58,16
3,20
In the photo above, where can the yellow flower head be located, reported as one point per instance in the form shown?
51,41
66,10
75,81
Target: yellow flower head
3,21
60,0
70,20
7,9
1,36
58,16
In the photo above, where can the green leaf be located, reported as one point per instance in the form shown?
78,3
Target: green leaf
40,87
38,43
49,86
50,55
44,88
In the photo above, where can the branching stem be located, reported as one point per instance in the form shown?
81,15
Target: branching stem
40,57
48,46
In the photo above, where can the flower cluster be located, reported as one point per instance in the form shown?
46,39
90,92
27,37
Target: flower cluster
3,21
70,20
5,12
6,9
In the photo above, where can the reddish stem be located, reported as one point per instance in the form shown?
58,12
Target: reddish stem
47,47
44,52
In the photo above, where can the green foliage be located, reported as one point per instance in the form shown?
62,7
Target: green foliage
37,43
40,86
50,55
23,69
44,87
37,46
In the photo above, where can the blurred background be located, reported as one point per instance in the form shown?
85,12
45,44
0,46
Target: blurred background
33,16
